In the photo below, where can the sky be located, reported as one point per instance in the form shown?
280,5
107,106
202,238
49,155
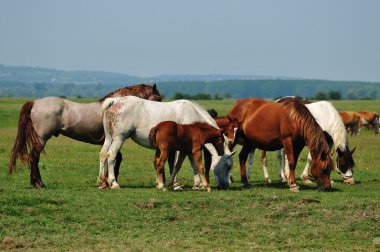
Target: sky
314,39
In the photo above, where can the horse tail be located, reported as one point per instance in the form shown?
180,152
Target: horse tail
152,137
26,138
108,103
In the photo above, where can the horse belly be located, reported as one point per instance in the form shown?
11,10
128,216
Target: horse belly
141,137
93,135
265,141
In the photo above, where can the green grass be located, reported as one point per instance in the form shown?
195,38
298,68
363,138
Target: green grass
73,214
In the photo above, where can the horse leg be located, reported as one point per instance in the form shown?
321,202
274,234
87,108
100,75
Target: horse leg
207,156
281,167
111,159
305,174
160,165
155,158
250,163
292,152
263,157
177,167
242,160
35,176
119,158
197,157
197,179
102,178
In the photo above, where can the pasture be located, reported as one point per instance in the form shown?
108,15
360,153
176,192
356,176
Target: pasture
73,214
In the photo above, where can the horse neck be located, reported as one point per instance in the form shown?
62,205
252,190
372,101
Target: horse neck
222,122
310,130
330,121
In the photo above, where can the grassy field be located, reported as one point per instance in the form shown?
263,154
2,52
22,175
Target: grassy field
73,214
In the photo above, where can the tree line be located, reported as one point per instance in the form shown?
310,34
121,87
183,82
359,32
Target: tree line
195,90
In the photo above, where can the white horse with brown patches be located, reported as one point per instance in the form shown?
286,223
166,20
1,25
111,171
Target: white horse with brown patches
132,117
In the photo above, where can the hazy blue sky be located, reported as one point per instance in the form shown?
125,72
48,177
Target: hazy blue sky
325,39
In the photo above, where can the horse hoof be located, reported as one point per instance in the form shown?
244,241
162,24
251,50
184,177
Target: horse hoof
307,181
294,189
115,186
177,188
267,181
247,186
39,185
160,187
103,185
197,187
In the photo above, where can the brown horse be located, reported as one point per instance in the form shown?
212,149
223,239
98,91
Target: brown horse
42,118
352,121
369,120
271,126
189,139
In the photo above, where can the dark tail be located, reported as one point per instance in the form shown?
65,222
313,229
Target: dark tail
152,137
26,138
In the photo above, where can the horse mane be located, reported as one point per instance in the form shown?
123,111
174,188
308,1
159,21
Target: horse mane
202,125
129,90
311,131
291,98
337,130
206,116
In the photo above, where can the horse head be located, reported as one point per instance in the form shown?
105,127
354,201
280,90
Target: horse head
321,168
221,165
231,131
345,165
222,170
154,95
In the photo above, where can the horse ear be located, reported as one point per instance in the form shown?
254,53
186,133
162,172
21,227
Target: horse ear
353,150
230,119
233,120
232,153
154,87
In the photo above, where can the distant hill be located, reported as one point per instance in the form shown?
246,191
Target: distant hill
36,82
53,76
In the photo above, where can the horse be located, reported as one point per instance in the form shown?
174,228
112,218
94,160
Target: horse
51,116
133,117
271,126
369,120
352,121
331,123
223,123
189,139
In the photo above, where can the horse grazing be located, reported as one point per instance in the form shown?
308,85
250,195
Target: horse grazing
188,139
352,121
331,123
134,117
369,120
42,118
271,126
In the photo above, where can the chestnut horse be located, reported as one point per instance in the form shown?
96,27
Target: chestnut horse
370,120
352,121
43,118
188,139
271,126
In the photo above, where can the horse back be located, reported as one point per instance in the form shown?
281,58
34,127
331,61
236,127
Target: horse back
265,124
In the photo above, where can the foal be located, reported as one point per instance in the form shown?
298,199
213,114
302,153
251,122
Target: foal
168,136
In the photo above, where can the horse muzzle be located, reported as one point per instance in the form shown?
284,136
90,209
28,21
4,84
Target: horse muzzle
349,181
